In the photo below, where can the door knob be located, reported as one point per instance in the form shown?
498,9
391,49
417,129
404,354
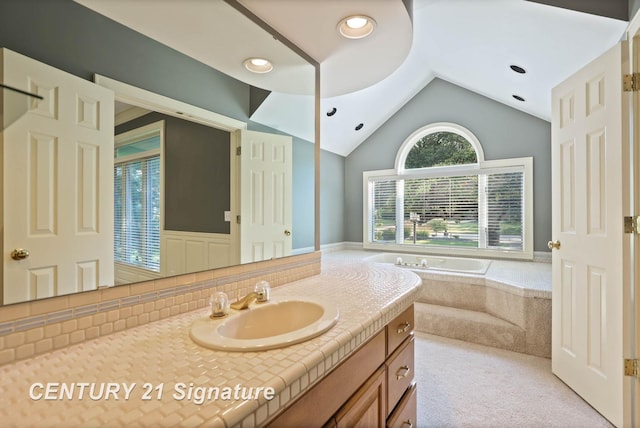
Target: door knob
287,232
19,254
553,244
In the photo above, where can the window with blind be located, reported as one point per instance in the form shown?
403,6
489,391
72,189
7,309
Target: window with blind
458,204
137,201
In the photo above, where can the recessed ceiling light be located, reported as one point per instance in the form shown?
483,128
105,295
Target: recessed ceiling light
356,26
359,127
518,97
258,65
518,69
332,111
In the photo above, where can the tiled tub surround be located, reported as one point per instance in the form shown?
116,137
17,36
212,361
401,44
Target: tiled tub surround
161,353
33,328
509,307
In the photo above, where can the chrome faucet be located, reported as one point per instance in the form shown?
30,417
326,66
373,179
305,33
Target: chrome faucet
244,302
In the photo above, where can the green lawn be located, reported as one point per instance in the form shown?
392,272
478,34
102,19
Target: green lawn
462,227
446,242
453,227
459,234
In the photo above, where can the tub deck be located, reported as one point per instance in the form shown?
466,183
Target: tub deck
508,307
530,279
422,262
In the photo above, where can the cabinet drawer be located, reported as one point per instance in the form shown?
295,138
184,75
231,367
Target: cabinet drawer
400,368
399,329
406,413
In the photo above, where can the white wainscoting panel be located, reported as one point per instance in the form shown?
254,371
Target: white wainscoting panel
127,274
185,252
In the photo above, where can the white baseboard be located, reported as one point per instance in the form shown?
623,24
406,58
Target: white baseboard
303,250
542,256
327,248
339,246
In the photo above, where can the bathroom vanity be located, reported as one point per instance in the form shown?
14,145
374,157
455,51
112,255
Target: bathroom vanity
374,387
360,369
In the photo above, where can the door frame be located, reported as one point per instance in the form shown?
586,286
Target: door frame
151,101
632,293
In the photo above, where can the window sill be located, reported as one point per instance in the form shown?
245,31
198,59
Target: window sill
443,251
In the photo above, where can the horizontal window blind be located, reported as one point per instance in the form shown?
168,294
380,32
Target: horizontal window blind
505,210
483,210
137,213
383,212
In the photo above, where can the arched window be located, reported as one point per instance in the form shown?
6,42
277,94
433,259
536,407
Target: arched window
440,149
443,197
437,145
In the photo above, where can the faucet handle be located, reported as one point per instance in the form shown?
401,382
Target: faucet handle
263,290
219,304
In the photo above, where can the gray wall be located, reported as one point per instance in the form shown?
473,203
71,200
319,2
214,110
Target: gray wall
303,195
71,37
634,6
68,36
504,132
196,173
616,9
332,198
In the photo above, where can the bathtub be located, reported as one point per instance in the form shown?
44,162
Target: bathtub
438,263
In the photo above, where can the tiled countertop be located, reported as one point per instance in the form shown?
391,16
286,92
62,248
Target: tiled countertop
161,355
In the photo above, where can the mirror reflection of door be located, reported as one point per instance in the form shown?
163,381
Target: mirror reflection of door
58,181
266,189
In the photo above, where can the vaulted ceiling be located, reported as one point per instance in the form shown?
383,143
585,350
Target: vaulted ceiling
471,43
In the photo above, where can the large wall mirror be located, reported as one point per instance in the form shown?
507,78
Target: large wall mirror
196,183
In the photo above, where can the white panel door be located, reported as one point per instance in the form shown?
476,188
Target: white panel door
265,199
58,182
590,190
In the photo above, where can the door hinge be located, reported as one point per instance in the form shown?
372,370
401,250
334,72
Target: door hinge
238,219
631,82
632,224
238,151
632,367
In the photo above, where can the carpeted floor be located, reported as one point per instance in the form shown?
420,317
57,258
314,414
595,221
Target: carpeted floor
462,384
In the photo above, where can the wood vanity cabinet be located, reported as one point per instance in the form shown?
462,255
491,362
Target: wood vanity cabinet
367,408
372,388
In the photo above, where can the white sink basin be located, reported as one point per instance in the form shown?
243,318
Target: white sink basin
275,324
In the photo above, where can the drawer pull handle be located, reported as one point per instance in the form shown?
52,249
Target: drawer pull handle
402,372
408,423
404,327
